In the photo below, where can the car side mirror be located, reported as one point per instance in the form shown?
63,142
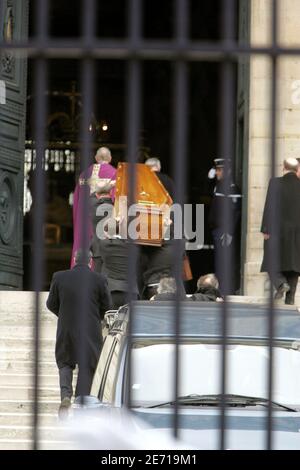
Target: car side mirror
110,317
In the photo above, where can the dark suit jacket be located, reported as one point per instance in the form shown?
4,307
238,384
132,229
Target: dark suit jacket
107,207
206,294
114,253
158,261
78,326
167,182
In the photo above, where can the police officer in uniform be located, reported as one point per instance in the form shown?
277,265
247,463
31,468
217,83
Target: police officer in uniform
225,231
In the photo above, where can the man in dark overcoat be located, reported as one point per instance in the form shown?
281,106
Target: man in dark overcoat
79,297
281,230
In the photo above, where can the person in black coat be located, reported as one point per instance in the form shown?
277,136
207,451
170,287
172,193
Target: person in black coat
79,298
157,262
281,230
114,251
226,234
167,290
207,289
168,183
101,207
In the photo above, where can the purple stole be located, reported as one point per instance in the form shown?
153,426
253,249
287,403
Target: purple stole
94,174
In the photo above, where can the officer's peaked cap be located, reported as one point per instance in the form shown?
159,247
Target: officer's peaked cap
221,162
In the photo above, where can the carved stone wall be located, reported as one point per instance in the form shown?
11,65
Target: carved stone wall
13,71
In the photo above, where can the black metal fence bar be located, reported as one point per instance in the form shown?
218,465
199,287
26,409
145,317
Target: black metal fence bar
40,118
274,239
163,50
227,120
180,153
134,49
133,125
87,90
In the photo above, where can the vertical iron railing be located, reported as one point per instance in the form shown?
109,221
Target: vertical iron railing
40,118
135,49
180,131
133,126
226,141
274,261
87,91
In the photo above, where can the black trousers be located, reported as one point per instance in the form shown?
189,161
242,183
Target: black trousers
289,277
120,298
98,264
84,381
227,269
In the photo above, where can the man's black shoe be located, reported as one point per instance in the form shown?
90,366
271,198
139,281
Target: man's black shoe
63,410
290,298
283,289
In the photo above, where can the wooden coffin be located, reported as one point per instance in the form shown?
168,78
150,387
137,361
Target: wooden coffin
152,203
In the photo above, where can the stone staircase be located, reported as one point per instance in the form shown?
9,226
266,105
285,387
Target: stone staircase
16,374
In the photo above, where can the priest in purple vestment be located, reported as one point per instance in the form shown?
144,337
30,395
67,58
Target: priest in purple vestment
102,171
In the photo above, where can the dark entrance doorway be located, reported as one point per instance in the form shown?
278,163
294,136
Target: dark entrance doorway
109,113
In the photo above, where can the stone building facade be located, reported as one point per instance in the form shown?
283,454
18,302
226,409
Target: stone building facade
288,125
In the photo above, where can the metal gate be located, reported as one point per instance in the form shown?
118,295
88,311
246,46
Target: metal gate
180,52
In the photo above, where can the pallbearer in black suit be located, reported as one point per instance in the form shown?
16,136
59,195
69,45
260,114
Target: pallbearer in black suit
101,207
114,252
281,230
65,299
168,183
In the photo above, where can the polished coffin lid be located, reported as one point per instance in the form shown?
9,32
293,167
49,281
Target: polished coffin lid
152,202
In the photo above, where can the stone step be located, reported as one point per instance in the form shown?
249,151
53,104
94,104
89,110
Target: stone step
27,393
26,343
12,355
47,331
16,355
27,380
49,433
26,367
26,444
25,419
22,301
23,318
26,406
255,299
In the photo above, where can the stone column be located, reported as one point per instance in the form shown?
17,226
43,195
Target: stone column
288,115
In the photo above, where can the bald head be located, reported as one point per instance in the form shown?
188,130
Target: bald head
103,155
290,164
208,280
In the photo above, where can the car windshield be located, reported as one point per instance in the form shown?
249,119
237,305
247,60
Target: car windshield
200,368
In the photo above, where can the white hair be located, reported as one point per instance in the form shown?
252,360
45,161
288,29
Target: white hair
167,285
154,163
291,164
103,155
